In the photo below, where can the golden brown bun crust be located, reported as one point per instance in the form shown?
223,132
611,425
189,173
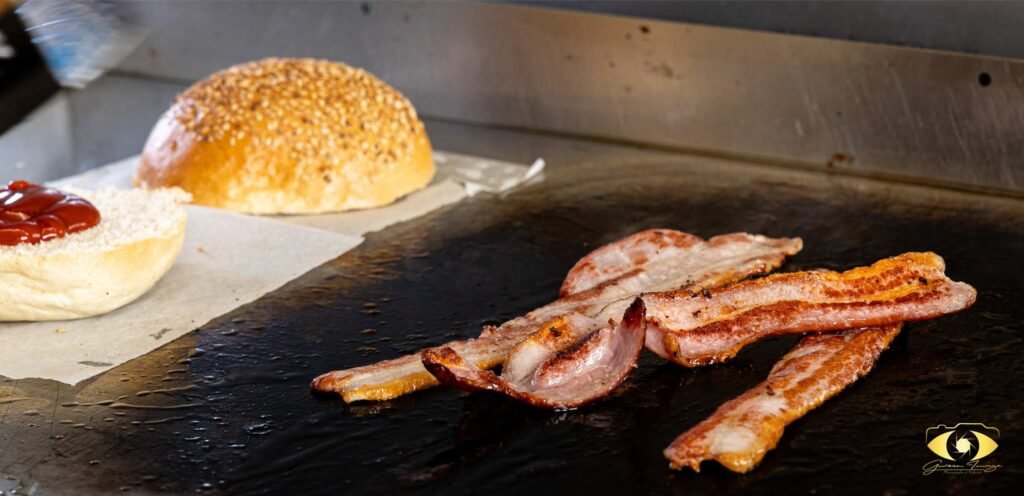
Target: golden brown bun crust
293,136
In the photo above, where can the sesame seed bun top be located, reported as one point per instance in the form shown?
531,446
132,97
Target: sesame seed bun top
289,136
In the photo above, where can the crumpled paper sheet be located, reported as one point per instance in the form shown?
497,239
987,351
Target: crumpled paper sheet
228,260
458,177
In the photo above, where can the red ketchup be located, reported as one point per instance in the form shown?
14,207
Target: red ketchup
30,213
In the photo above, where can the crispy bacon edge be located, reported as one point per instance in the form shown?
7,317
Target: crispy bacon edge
585,370
694,329
743,430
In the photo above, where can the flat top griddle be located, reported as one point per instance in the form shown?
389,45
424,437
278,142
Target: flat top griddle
227,409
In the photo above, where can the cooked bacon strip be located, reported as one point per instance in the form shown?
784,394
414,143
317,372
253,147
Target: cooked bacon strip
673,260
742,430
553,337
574,371
617,259
697,328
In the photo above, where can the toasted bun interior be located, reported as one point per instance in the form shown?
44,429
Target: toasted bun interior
101,268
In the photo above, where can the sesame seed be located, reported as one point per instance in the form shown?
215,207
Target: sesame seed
317,102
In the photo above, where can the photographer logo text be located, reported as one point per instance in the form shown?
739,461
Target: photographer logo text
961,448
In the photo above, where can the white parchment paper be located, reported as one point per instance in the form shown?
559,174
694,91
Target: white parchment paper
228,260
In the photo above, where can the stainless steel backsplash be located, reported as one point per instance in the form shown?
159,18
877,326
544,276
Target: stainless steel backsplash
925,116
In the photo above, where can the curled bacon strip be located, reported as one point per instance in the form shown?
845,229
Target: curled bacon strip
711,326
602,288
571,362
742,430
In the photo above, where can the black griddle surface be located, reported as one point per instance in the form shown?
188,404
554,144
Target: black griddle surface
228,409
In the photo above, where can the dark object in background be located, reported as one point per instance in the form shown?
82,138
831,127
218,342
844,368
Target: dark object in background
25,80
49,44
